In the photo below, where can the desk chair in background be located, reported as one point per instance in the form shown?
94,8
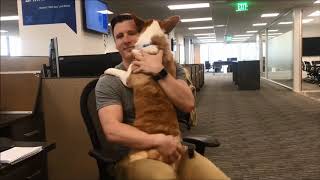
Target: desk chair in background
105,152
207,65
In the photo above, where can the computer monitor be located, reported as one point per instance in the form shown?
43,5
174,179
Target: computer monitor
87,65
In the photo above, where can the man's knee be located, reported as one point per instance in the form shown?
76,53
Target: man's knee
149,169
200,167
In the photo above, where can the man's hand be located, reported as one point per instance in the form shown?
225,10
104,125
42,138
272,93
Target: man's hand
169,147
147,63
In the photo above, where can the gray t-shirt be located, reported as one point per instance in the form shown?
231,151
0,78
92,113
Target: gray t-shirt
110,91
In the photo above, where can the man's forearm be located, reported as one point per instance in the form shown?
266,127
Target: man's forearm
133,137
178,92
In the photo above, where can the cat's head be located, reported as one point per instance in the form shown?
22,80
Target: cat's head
151,31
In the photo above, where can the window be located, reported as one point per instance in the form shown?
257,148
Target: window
10,46
4,45
221,51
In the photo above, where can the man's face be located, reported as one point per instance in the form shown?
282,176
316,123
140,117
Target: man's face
125,35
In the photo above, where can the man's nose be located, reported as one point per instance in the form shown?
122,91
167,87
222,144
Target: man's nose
127,39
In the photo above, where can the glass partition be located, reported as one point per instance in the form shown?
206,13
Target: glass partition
280,50
310,48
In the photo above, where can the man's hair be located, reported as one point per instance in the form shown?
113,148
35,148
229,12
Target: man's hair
120,18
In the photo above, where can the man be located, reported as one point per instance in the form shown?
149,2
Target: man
116,113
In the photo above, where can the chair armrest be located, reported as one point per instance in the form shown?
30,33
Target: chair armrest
99,156
203,140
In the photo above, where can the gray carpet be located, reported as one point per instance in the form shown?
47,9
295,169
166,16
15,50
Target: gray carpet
315,95
268,134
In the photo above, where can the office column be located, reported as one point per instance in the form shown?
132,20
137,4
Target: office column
266,59
197,59
259,36
297,49
187,50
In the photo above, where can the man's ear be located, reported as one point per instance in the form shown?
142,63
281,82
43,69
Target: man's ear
139,22
168,24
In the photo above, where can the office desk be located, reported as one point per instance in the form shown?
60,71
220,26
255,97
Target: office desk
22,126
7,119
31,168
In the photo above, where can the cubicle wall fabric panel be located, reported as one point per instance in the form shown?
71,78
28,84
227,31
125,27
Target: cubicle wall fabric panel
22,63
65,126
18,91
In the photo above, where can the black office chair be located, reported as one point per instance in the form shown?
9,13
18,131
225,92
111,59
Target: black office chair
104,152
207,65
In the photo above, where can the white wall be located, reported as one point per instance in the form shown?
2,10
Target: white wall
311,30
35,38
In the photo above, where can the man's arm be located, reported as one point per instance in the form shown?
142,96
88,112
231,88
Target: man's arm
121,133
177,90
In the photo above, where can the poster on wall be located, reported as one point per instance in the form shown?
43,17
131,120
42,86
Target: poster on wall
36,12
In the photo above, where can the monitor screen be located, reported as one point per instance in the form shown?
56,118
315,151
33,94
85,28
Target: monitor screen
87,65
311,46
95,16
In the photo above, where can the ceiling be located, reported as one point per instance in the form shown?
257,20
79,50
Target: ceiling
222,11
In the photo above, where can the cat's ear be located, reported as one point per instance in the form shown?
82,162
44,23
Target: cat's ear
168,24
139,22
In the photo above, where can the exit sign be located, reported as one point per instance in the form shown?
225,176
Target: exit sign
228,38
242,6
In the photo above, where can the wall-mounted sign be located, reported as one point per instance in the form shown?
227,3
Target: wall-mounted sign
228,38
36,12
242,6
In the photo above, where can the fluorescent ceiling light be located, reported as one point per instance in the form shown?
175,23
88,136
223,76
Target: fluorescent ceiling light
210,41
197,19
317,2
220,25
273,30
288,22
243,35
314,14
270,34
259,24
240,38
105,12
252,31
205,34
9,18
304,21
270,15
204,27
3,31
208,37
188,6
207,40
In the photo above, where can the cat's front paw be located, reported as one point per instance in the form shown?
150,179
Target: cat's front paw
136,52
152,49
109,71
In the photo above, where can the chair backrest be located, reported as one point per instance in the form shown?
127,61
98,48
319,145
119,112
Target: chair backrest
92,122
207,64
